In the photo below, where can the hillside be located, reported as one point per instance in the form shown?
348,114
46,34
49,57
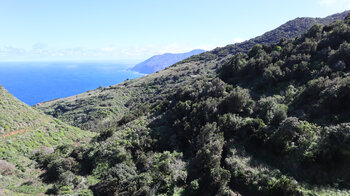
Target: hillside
272,121
16,115
24,130
96,109
159,62
289,30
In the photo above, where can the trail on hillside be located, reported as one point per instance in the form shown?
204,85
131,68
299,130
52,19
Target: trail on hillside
14,133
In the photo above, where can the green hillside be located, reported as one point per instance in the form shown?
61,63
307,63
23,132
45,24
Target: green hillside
272,121
96,109
24,131
15,115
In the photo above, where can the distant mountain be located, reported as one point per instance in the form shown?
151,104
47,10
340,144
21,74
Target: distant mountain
159,62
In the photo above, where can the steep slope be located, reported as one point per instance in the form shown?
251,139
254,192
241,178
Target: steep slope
24,130
16,115
274,121
98,108
159,62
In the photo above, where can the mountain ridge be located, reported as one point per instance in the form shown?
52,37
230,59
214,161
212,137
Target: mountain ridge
298,26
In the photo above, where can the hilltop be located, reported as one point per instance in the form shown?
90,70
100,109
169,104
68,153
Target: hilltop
159,62
271,120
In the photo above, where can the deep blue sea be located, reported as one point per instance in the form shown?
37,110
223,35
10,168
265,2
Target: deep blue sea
34,82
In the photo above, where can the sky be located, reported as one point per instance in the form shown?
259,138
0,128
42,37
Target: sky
41,30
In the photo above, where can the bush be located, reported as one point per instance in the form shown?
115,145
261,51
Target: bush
67,179
219,179
85,192
105,134
253,131
231,124
65,190
119,180
273,74
271,111
293,135
334,153
236,101
283,187
194,186
254,51
6,168
169,170
57,167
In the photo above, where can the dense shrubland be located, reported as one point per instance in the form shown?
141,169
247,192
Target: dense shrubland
274,121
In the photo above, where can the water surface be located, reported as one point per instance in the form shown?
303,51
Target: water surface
34,82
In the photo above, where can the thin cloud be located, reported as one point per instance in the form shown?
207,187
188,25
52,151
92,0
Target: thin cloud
11,51
39,46
40,51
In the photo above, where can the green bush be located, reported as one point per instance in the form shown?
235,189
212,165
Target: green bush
85,192
283,187
231,124
56,168
236,101
271,111
293,135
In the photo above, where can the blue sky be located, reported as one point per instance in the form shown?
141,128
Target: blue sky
135,29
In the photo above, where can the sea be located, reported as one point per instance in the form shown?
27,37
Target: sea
35,82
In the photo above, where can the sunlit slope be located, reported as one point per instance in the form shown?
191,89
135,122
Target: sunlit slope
24,131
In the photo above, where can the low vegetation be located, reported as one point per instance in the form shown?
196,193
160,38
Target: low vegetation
24,132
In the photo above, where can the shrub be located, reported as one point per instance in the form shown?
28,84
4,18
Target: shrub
119,180
85,192
253,131
219,179
122,180
254,51
293,135
169,170
6,168
231,124
67,179
236,101
273,74
271,111
57,167
283,187
105,134
65,190
194,186
334,152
